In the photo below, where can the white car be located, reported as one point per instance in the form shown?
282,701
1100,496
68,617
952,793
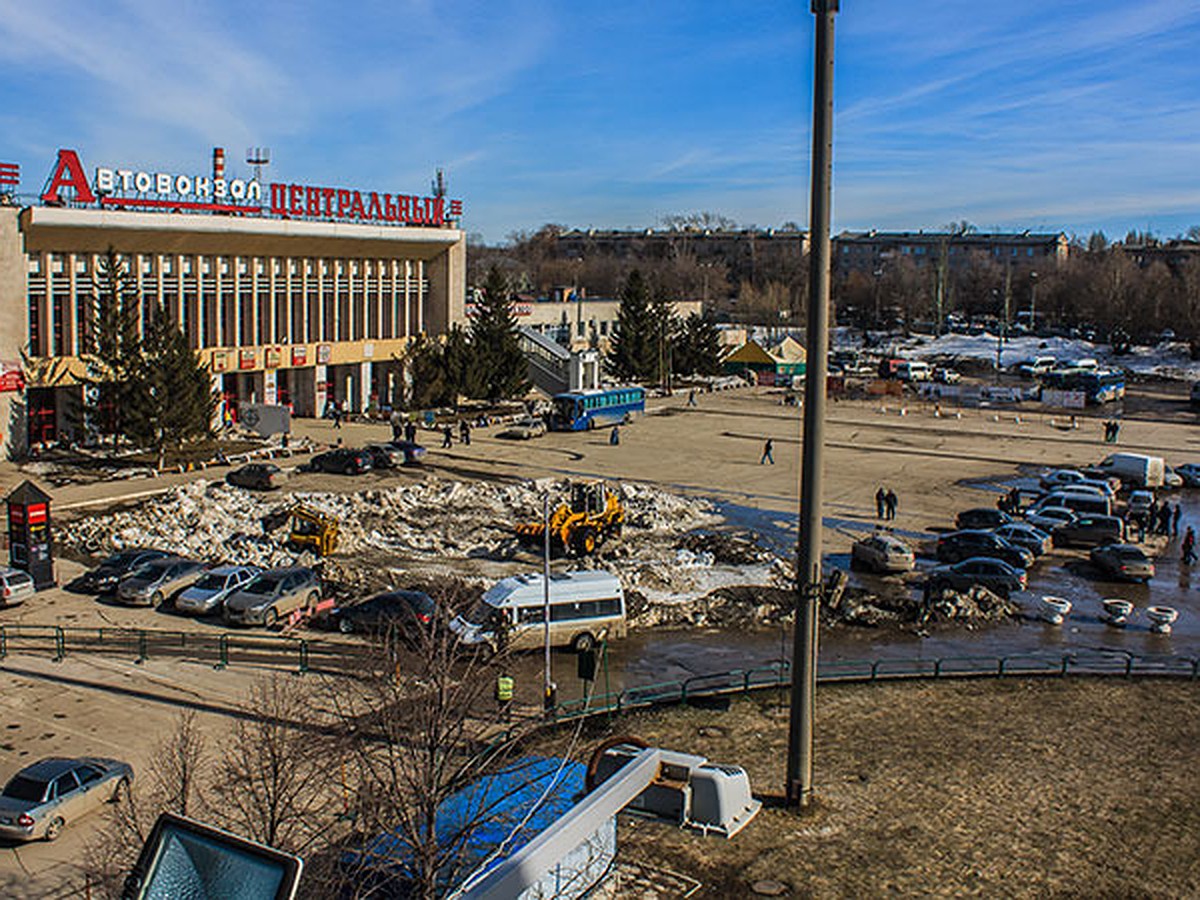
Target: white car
208,594
883,553
1139,502
1038,366
1171,478
16,586
1057,478
524,429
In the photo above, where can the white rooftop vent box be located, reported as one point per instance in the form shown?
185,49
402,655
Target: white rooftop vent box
689,791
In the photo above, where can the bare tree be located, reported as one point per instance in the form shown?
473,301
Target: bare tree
275,776
418,731
170,783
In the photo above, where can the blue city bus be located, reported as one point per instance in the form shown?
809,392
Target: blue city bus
1102,386
582,410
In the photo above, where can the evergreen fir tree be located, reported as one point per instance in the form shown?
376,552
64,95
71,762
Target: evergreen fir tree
174,398
698,346
112,346
666,328
502,370
632,354
429,387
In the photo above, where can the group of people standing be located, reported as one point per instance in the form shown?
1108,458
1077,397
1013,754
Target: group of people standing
885,504
1157,519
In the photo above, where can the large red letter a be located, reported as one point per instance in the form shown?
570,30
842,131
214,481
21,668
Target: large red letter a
68,173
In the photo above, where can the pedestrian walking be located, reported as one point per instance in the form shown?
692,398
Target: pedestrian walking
410,431
880,503
890,501
1189,546
766,454
1164,519
1175,519
337,415
464,432
692,397
504,695
447,437
614,436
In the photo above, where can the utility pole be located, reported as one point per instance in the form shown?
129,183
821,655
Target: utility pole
808,571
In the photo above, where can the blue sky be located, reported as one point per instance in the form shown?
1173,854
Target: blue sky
1070,115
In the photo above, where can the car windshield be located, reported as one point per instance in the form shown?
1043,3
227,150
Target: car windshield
483,614
27,789
262,586
146,571
211,583
120,559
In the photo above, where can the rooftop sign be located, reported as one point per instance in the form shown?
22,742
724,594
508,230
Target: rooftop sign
175,192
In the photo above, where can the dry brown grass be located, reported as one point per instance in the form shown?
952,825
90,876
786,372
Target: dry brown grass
1077,787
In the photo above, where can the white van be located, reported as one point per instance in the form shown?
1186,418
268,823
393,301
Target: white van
583,606
914,370
1134,468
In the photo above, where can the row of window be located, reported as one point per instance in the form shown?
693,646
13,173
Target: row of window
61,323
169,264
570,612
64,325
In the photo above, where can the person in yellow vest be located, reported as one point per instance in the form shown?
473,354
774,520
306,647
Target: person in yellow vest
504,695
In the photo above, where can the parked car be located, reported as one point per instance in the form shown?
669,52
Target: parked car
883,553
271,595
1026,536
1189,473
104,578
981,517
1050,517
1139,503
208,594
257,476
996,575
946,376
344,461
1089,531
1125,562
1037,366
53,792
396,453
16,586
384,457
159,580
959,545
1171,478
408,611
524,429
1058,478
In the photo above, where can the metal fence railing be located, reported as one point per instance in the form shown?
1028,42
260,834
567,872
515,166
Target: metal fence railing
226,649
778,675
219,649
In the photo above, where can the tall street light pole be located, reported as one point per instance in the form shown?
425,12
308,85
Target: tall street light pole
808,572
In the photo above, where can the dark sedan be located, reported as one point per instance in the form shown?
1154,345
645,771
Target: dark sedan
257,477
409,611
342,461
997,576
1124,562
1090,531
959,545
104,578
982,517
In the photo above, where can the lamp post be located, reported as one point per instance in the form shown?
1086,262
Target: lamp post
799,786
1033,279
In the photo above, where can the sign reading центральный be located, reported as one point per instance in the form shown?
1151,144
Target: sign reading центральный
136,189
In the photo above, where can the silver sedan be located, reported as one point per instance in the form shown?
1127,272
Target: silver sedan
40,799
208,594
